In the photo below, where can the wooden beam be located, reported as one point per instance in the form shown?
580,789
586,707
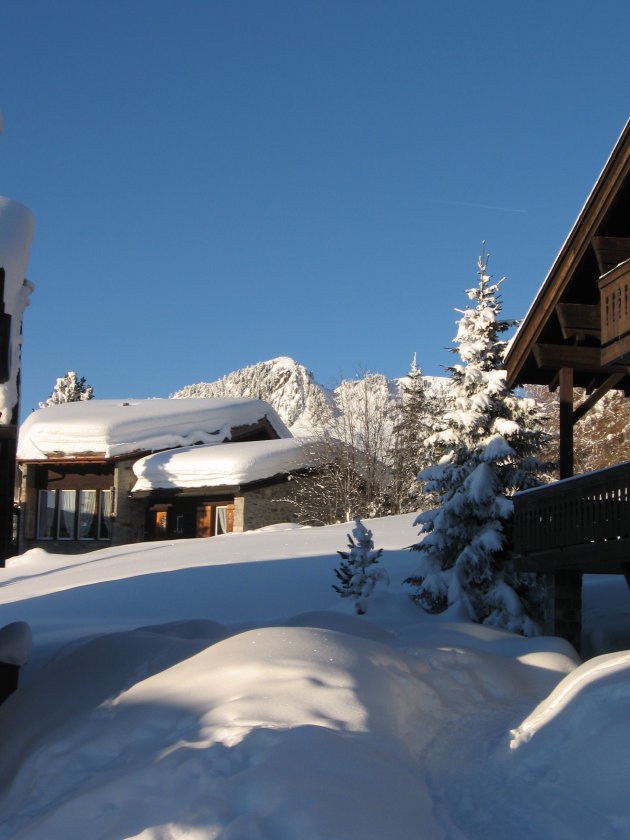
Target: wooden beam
566,422
604,558
610,251
617,352
556,356
596,396
579,320
554,382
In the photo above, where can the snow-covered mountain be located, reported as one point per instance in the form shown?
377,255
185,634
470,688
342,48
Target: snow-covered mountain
282,382
291,390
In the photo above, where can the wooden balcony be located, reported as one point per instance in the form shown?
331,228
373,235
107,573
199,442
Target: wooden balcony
580,524
614,289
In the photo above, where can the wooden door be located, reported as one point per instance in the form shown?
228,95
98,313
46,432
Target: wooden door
204,520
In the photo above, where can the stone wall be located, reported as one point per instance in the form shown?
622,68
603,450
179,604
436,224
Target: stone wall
129,514
267,506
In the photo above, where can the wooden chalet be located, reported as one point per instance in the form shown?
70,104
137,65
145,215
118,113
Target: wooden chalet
577,335
75,498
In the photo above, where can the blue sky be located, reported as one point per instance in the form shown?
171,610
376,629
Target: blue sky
218,183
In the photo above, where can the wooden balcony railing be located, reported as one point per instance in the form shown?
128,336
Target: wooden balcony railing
576,512
614,289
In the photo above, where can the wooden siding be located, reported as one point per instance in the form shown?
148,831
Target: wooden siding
615,314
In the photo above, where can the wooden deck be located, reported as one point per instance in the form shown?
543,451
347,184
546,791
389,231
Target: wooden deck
580,524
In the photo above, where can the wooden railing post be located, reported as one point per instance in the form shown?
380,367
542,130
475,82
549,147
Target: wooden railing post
566,422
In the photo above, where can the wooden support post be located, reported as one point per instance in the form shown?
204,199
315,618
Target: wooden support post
564,589
564,606
566,422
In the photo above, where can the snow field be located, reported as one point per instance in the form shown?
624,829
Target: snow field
221,689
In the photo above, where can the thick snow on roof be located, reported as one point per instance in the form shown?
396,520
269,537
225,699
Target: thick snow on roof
16,235
117,427
217,466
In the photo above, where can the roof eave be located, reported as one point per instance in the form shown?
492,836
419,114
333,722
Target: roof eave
598,202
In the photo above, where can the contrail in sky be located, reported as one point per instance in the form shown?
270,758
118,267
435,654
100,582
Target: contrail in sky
478,206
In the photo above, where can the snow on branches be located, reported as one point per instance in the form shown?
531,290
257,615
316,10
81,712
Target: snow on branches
484,453
359,572
69,388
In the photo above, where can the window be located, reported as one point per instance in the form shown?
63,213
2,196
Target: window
224,519
46,515
74,514
220,526
66,522
105,510
87,514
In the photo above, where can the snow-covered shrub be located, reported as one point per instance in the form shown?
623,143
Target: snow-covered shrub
484,452
69,388
359,570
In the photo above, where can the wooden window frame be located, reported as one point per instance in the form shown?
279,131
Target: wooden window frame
99,535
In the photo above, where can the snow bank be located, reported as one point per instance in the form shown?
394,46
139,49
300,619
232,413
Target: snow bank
216,466
220,689
16,235
117,427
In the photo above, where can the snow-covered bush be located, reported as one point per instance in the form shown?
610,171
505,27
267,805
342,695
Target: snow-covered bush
359,570
69,388
485,452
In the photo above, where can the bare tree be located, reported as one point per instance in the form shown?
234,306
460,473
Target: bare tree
600,439
350,456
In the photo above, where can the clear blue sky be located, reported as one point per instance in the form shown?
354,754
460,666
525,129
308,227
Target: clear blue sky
218,183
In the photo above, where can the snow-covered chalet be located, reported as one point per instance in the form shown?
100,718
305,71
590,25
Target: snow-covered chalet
110,472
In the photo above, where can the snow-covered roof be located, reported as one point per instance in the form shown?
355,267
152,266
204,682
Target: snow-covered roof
221,465
118,427
16,234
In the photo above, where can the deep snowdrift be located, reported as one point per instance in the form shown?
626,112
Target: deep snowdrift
220,689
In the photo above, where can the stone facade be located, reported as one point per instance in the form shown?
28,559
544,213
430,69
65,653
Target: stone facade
267,505
129,516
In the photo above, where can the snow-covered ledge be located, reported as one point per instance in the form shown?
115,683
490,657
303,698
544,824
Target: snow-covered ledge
16,235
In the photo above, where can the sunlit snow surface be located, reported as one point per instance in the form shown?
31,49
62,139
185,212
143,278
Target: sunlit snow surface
220,689
223,464
118,427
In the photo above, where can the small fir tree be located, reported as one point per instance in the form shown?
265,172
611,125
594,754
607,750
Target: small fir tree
484,452
359,571
69,388
413,424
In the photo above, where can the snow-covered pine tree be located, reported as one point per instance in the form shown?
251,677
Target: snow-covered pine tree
69,388
486,452
413,424
359,570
